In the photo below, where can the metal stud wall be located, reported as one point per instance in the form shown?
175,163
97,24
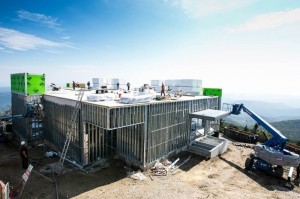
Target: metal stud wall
139,133
56,121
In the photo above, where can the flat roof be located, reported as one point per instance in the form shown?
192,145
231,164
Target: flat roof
73,96
209,114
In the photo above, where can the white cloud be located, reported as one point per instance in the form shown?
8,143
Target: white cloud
269,20
200,8
15,40
42,19
3,50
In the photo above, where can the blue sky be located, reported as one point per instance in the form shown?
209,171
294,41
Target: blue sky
243,46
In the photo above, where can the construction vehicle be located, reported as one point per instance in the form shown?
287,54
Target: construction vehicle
271,155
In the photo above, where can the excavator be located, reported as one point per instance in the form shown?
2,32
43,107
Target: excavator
271,155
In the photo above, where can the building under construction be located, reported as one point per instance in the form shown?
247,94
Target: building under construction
138,133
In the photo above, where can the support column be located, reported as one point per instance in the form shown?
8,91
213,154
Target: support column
145,136
206,126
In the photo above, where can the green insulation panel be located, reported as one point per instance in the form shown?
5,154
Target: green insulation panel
35,84
212,92
27,84
18,83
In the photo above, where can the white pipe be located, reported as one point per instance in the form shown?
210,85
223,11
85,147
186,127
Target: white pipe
290,174
70,161
173,164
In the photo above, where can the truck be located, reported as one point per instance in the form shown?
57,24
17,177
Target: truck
270,155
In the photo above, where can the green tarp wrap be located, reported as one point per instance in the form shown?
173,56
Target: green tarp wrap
212,92
35,84
18,83
27,84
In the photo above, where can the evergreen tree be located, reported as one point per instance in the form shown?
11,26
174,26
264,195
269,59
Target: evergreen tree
246,128
254,130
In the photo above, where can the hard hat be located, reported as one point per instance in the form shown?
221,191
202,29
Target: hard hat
23,142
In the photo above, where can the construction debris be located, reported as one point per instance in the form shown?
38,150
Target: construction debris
244,145
158,170
137,175
173,164
176,167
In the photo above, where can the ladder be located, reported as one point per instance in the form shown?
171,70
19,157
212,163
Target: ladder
71,128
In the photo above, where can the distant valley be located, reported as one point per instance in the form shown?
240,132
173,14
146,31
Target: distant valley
272,112
290,128
281,116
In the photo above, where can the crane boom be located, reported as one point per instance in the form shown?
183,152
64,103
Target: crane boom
277,141
270,156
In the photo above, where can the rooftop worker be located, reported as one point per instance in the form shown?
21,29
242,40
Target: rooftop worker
128,86
88,84
118,85
24,155
162,89
74,85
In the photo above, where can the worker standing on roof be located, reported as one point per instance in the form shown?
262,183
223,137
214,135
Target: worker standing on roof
128,85
24,155
162,89
118,85
74,85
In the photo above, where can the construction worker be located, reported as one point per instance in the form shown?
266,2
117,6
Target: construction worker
162,89
24,155
88,84
118,85
74,85
128,86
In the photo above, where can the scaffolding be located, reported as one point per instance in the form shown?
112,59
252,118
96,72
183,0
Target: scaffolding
28,127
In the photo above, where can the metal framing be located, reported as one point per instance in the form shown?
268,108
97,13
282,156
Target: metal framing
138,133
56,122
26,128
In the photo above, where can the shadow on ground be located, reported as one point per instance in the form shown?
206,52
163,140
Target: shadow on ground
194,160
41,185
75,183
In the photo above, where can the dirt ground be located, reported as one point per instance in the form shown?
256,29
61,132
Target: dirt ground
222,177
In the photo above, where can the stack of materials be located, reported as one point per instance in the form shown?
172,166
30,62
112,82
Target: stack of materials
191,86
129,98
101,97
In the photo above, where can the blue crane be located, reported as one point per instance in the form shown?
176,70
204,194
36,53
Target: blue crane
271,155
